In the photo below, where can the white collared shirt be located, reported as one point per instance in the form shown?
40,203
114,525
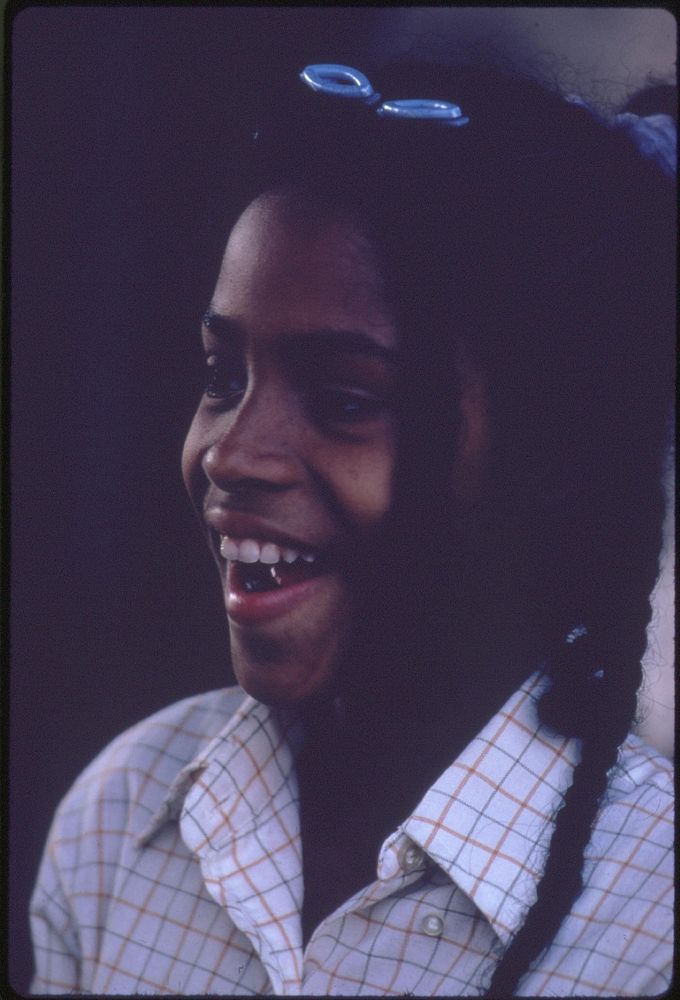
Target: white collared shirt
174,866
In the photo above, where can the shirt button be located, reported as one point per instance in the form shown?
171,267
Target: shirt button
410,857
432,925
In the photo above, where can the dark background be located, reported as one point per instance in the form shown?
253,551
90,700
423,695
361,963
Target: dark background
123,122
121,128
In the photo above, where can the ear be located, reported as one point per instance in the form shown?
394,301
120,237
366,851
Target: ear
473,435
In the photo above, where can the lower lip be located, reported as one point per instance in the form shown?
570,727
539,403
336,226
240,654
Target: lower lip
266,605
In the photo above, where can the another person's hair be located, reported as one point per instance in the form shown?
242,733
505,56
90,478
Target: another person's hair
539,237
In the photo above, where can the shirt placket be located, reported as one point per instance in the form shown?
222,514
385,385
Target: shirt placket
263,898
401,863
241,821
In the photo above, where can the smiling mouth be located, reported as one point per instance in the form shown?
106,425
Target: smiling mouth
256,567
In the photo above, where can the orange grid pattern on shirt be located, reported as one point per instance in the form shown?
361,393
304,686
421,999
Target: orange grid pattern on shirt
174,867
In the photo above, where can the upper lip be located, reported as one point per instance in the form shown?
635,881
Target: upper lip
236,525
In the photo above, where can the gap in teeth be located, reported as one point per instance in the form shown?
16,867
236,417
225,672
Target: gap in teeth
248,550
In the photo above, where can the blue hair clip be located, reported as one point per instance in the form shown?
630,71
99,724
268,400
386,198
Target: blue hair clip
343,81
443,111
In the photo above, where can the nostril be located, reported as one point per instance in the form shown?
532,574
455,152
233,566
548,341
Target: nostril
244,485
235,485
240,470
252,484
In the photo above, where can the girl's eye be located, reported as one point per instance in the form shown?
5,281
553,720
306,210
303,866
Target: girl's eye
226,380
335,406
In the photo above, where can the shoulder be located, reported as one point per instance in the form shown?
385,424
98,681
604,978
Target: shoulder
621,926
632,844
640,798
642,775
132,775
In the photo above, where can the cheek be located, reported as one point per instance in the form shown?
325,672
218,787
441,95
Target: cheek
364,485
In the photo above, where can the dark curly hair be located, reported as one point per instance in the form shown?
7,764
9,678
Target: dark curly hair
540,238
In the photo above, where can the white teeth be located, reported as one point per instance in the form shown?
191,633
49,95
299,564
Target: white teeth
228,548
270,553
248,550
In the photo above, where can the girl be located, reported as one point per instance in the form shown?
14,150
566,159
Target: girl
428,464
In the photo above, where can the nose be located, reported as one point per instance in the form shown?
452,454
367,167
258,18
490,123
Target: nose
255,446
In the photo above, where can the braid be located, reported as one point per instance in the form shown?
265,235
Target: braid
562,880
610,537
593,696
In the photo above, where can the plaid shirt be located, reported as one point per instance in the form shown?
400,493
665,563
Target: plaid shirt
162,876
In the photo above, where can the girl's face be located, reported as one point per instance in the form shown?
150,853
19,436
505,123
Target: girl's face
291,452
291,455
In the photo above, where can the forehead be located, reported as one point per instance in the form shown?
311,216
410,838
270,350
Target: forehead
299,264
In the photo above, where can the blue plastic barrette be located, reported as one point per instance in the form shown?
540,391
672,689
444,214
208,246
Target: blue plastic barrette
343,81
443,111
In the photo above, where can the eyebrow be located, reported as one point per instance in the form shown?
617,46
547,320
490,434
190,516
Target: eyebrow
324,340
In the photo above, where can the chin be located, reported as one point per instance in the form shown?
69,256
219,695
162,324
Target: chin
281,681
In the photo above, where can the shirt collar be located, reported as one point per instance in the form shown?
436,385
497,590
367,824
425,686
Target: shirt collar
243,736
487,821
